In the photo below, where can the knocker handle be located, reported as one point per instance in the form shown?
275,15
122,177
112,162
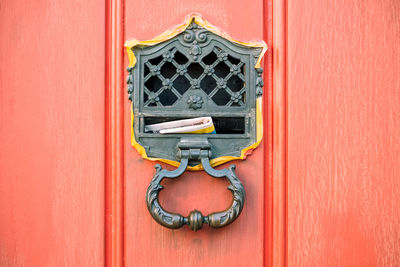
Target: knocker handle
195,219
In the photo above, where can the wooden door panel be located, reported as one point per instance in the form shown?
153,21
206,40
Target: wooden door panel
149,244
51,133
343,133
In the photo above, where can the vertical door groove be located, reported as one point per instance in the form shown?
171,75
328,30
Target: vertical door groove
279,106
267,139
114,138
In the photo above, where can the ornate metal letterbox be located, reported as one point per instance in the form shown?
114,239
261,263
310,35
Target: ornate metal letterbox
195,71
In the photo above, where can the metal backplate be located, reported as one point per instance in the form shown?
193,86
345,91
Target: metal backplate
195,74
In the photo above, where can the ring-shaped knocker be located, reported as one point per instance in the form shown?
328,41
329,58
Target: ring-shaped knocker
195,219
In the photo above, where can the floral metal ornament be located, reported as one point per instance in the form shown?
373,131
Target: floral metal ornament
167,83
195,102
236,97
209,70
181,69
168,56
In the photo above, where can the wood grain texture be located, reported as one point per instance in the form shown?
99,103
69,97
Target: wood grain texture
149,244
344,133
51,133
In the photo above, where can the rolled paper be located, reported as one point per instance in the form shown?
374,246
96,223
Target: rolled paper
202,125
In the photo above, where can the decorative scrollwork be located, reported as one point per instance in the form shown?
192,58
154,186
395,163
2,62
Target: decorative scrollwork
129,81
223,218
195,219
167,219
259,83
189,35
201,36
195,35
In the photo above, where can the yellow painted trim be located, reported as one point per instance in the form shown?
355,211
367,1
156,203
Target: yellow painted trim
169,34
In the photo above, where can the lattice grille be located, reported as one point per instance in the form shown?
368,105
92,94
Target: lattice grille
168,77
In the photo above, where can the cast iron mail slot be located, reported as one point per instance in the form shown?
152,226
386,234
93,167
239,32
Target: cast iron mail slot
195,71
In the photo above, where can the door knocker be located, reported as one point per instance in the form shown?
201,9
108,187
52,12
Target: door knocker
196,103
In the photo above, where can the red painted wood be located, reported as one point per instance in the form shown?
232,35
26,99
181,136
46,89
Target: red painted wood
343,133
280,146
322,189
51,133
149,244
268,137
114,134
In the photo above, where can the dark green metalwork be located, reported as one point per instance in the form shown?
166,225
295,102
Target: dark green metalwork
197,149
195,74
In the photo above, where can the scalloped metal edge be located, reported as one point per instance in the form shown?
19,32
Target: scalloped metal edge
171,33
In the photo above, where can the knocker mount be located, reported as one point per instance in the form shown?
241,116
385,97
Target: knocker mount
195,149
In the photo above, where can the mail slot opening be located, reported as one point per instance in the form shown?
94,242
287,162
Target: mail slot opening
221,125
200,75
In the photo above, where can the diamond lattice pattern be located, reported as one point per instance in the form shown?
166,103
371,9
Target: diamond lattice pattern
218,74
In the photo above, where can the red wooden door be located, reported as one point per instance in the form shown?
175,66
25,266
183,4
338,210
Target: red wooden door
51,133
343,133
322,188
